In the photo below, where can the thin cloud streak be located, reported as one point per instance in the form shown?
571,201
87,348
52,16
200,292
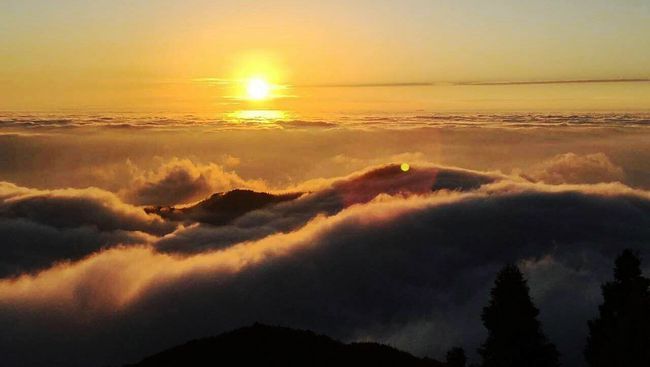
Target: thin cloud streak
478,83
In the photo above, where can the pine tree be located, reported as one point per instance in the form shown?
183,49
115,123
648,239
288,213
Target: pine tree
620,336
456,357
515,338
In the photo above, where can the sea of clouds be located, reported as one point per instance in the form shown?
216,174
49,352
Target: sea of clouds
364,252
43,122
404,258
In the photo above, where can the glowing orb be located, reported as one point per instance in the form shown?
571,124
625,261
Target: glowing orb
405,167
258,89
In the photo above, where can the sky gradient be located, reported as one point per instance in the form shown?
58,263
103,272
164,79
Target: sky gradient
151,55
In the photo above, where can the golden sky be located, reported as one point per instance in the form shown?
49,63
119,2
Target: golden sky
193,55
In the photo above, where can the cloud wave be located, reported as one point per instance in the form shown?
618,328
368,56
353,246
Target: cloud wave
40,227
375,256
181,181
574,168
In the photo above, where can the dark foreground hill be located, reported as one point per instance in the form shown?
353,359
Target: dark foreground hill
223,207
262,345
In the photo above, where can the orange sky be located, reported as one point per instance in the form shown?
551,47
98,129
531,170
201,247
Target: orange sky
155,56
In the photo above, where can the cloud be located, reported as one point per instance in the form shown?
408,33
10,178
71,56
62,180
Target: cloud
328,198
357,163
40,227
567,81
409,266
117,125
307,124
483,83
231,161
574,168
181,181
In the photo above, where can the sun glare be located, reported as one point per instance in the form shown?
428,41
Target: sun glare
258,89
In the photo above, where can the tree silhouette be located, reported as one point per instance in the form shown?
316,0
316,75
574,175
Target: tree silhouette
620,336
456,357
515,337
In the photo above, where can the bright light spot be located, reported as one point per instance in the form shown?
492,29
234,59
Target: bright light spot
405,167
258,115
258,89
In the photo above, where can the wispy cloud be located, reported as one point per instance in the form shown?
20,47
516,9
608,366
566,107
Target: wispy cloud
464,83
213,81
567,81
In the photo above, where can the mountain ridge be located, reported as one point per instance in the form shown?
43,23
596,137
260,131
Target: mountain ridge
222,207
265,345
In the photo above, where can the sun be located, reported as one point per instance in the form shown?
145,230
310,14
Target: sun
258,89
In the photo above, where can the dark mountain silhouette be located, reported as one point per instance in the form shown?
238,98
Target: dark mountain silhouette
262,345
459,181
221,208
